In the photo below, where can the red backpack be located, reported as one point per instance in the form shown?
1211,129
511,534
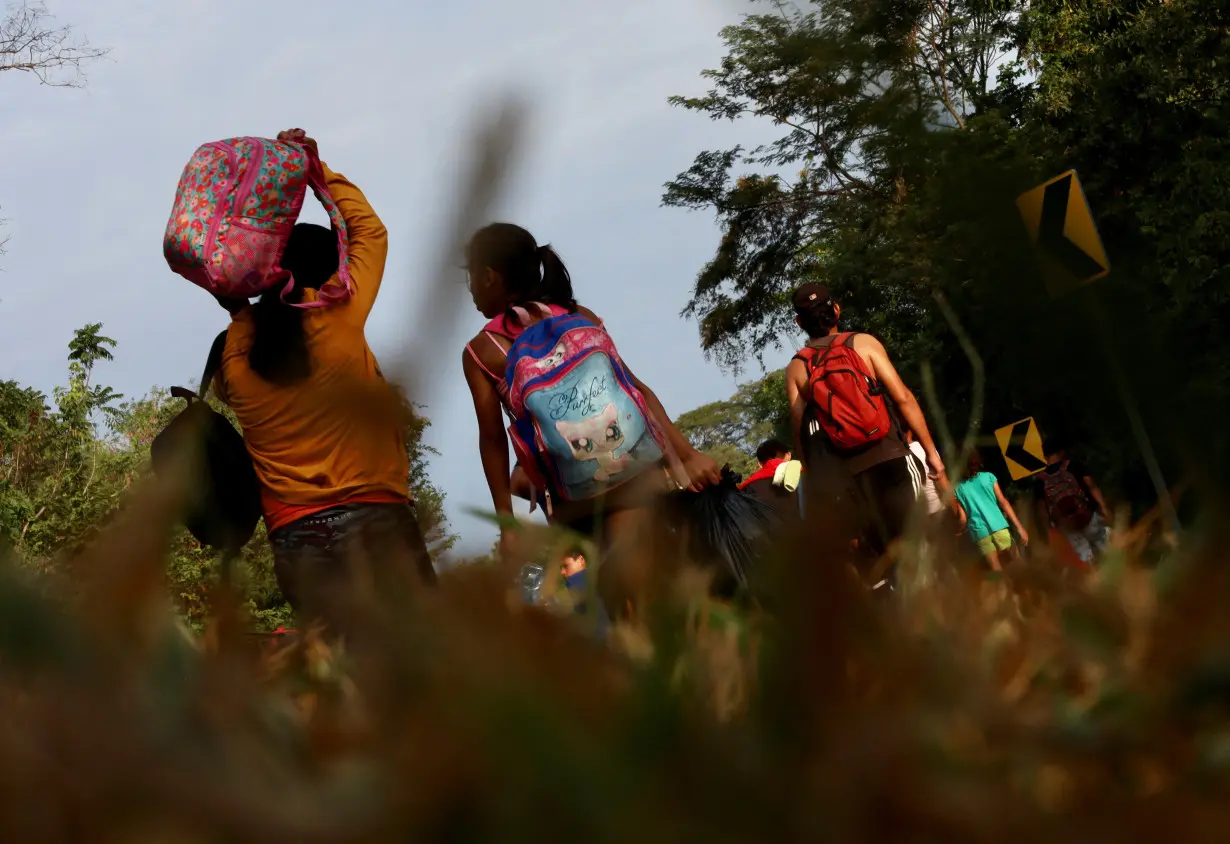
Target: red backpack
848,400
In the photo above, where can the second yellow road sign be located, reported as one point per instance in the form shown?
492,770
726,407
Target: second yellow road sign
1021,445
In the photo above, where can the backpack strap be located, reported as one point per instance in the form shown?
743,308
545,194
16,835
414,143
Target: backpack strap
817,348
473,354
213,363
524,313
340,287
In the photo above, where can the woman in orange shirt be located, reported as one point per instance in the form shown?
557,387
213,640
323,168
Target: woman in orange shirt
334,482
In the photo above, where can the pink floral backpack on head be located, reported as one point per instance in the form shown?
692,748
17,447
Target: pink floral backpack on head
235,207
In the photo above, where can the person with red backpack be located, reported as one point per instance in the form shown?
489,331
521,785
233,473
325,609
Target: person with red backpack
1072,503
845,401
593,443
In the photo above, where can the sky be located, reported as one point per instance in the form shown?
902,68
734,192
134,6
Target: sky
388,88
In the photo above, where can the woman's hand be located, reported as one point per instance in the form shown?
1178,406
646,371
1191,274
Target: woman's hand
702,471
1023,535
298,136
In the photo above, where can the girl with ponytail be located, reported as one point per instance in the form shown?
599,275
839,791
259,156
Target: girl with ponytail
515,283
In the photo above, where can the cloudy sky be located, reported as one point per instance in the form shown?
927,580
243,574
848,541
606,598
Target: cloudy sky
388,87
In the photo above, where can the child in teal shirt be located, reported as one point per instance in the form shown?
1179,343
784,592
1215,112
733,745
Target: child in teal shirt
985,514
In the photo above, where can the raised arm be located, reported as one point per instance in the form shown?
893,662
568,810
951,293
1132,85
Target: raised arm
369,242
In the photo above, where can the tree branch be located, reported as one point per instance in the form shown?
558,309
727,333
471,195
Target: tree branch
835,166
31,42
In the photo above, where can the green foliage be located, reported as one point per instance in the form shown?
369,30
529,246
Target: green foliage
63,471
729,431
894,180
855,87
59,477
428,499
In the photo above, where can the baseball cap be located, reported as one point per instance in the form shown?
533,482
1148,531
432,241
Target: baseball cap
808,294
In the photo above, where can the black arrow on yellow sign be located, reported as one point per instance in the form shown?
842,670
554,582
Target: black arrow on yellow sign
1021,445
1051,237
1063,231
1016,451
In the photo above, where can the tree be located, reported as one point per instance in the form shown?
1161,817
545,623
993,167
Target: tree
32,42
59,477
856,87
729,431
428,498
909,158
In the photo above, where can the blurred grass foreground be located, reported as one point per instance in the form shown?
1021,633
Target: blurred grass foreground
1054,705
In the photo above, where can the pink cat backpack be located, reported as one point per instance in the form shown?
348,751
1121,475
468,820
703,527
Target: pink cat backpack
581,427
234,209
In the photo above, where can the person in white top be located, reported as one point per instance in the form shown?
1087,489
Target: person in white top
940,515
924,484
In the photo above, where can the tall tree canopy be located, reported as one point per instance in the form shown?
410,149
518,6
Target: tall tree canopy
908,129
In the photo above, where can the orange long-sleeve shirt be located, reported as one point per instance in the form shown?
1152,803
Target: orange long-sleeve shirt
313,451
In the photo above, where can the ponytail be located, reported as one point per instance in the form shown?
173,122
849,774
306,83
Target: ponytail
818,317
556,285
279,352
530,273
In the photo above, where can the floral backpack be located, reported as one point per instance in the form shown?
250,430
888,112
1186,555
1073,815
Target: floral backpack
235,207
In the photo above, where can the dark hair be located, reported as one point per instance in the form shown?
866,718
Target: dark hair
279,351
817,318
771,449
974,464
531,273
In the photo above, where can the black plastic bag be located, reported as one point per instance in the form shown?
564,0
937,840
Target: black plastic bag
225,506
727,528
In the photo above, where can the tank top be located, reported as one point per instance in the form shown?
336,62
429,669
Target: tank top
510,330
891,447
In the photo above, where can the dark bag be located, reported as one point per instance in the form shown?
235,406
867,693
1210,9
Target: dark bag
728,527
1065,498
226,504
